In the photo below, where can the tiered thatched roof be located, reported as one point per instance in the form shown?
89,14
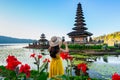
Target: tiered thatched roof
79,29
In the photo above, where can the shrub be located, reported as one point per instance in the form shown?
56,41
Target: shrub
79,46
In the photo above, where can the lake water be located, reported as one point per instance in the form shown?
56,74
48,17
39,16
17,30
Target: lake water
22,54
18,51
102,68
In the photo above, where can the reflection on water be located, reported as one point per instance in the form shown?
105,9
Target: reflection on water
109,59
101,67
104,67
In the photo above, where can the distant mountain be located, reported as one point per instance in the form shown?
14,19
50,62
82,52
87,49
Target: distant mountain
5,39
110,38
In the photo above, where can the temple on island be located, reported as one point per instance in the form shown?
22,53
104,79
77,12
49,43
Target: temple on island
43,40
42,43
79,35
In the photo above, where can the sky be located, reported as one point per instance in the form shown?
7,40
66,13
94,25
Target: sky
28,19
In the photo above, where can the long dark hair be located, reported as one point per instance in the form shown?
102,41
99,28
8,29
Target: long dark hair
54,50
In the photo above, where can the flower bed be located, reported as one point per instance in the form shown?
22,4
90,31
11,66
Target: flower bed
15,70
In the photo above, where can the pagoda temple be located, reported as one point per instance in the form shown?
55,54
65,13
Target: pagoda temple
42,43
79,35
42,40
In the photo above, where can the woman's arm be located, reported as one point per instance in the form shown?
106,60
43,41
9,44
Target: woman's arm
66,47
49,49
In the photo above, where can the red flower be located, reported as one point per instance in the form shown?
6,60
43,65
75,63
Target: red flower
70,57
115,76
32,55
12,62
39,56
82,67
65,55
46,60
12,65
11,58
25,69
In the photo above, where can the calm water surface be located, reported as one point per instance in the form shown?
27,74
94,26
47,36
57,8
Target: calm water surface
21,53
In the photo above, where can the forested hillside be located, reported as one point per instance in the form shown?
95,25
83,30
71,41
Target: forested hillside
4,39
110,38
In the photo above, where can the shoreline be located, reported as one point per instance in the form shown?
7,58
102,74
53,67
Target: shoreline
94,52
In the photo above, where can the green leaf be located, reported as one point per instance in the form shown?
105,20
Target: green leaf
43,66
